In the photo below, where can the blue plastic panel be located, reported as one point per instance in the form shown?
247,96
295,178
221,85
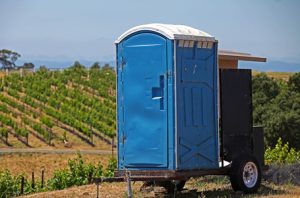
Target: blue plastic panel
142,101
197,143
146,119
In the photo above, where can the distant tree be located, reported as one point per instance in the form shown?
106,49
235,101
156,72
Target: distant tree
266,86
106,66
294,82
276,106
28,66
265,89
282,119
96,65
78,65
8,59
43,69
79,68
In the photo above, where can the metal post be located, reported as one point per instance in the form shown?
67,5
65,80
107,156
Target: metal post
42,185
129,190
90,177
92,137
32,179
175,189
112,146
22,185
50,135
6,137
97,189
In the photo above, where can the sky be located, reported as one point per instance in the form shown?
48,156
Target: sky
62,31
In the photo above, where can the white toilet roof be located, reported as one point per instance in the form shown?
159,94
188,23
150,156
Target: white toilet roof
173,32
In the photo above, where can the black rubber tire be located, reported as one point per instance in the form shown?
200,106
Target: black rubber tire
233,182
237,171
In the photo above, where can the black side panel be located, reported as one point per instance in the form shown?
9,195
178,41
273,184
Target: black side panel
236,112
258,145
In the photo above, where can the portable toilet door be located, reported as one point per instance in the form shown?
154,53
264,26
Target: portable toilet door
142,101
196,105
154,62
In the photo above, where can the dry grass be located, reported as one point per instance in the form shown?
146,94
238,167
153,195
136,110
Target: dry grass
194,188
26,163
2,73
276,75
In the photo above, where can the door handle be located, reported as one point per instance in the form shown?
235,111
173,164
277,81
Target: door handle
158,92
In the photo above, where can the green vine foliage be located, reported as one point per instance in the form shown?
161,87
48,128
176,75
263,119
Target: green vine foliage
79,97
112,165
9,184
282,154
77,173
4,132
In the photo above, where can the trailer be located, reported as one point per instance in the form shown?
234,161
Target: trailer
178,115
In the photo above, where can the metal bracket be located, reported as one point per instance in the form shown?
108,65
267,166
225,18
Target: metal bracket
169,73
128,180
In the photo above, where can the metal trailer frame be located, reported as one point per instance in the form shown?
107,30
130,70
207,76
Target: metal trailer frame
158,175
166,175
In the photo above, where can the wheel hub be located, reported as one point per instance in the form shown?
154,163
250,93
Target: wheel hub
250,174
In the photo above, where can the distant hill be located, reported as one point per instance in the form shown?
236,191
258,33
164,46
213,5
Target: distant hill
60,64
269,66
272,66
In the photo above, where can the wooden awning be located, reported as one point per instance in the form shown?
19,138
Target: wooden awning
232,55
230,59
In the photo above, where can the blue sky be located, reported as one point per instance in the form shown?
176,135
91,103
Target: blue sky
68,30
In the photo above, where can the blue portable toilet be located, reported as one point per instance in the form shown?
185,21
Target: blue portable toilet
167,105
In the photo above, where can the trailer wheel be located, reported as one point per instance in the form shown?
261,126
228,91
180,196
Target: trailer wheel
245,174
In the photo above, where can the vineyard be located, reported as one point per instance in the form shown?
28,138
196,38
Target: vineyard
51,107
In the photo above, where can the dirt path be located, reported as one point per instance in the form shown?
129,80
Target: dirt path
53,151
